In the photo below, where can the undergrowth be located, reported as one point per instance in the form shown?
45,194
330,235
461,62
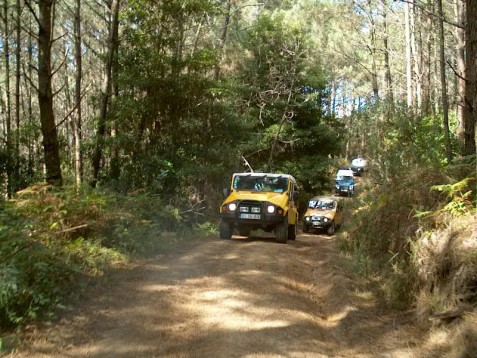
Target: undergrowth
50,238
413,236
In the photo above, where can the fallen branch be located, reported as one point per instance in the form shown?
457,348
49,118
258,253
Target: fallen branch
73,228
451,314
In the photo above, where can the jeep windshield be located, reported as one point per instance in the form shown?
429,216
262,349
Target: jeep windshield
264,183
321,204
344,177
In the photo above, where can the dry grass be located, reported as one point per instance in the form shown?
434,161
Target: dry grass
446,259
419,246
455,340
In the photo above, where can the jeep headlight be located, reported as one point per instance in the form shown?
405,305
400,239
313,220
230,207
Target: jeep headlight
307,218
232,207
351,187
270,209
337,186
326,220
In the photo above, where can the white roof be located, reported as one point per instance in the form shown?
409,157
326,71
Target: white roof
345,172
358,162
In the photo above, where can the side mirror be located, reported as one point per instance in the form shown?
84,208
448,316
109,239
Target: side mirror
226,192
295,196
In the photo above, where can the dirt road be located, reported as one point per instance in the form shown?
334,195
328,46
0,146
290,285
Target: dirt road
238,298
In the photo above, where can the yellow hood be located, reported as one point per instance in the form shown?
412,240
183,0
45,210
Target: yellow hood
279,199
318,212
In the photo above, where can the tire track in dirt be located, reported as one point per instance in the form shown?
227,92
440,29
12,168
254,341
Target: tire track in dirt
239,298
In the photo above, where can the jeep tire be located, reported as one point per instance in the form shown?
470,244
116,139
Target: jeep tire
281,232
330,230
243,231
306,228
225,230
291,232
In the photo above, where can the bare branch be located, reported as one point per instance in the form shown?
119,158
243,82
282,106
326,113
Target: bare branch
29,79
423,8
455,71
247,164
33,12
59,90
72,109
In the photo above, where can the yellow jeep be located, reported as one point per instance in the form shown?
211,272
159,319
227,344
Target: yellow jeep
260,201
322,213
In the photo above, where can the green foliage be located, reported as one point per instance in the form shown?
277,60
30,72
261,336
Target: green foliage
43,249
459,195
33,280
50,238
383,224
396,139
414,231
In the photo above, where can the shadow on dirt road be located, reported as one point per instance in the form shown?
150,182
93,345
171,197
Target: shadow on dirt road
238,298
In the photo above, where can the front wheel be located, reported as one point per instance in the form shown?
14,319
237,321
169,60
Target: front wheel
331,229
281,232
306,228
225,230
244,231
291,232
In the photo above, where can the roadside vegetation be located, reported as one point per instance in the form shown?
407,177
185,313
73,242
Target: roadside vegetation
54,241
411,233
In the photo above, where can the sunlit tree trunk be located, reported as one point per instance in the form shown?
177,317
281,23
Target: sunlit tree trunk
417,100
17,81
8,102
426,52
407,20
460,61
31,144
445,103
387,65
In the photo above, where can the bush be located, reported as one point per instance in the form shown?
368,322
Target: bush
412,229
40,253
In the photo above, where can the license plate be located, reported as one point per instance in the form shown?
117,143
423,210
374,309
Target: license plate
316,223
250,216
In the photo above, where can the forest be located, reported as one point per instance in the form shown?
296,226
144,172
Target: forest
120,118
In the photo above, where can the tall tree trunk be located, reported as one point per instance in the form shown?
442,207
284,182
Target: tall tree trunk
77,118
408,55
445,102
31,144
460,60
374,69
223,37
106,90
415,56
18,82
45,94
387,66
8,101
470,109
426,62
115,168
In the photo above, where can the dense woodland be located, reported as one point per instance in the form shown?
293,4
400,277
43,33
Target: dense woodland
168,98
175,95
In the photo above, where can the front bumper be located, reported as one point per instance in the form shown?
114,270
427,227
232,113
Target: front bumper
318,223
357,170
344,189
252,218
